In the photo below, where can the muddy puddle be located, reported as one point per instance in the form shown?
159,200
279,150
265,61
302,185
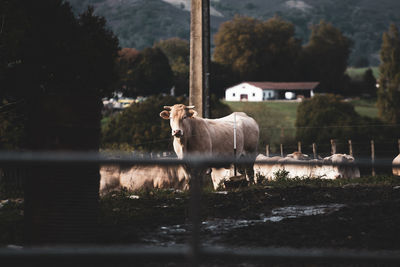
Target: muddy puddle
213,230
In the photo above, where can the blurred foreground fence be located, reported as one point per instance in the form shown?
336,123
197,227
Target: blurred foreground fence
84,252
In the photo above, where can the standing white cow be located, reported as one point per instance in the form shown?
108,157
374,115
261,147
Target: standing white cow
211,137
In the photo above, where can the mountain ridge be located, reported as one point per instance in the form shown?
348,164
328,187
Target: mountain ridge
141,23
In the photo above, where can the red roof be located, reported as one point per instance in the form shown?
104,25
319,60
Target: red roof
285,85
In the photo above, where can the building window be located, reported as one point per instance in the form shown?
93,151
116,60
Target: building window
254,94
234,94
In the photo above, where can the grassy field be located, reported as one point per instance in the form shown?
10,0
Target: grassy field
366,107
357,73
277,120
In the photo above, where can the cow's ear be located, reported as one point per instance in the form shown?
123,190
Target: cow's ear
192,113
165,115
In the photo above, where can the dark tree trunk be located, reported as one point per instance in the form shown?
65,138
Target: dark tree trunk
61,201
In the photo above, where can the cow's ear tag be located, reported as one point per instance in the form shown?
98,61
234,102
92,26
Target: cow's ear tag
165,115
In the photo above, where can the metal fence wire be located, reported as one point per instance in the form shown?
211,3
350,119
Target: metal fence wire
17,167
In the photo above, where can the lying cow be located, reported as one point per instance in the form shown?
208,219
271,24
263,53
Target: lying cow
211,137
301,166
142,177
396,169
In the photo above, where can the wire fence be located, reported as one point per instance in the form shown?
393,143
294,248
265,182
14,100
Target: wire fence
15,165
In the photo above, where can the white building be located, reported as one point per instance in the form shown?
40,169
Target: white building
261,91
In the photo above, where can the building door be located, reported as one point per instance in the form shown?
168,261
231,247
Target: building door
244,97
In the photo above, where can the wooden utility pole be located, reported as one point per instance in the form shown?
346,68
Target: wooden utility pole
200,56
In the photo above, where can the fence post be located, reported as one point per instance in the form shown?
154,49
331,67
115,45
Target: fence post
234,144
267,150
299,146
350,148
195,190
373,157
333,146
314,150
281,150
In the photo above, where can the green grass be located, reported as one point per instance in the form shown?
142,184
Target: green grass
277,119
366,107
357,73
282,181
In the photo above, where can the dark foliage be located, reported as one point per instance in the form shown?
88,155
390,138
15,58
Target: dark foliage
325,57
389,93
149,73
140,127
258,50
142,22
326,117
364,87
218,108
54,69
178,53
46,50
222,77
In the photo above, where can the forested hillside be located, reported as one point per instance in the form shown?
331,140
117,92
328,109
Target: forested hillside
140,23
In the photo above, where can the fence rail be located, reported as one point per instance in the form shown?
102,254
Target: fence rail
85,158
116,255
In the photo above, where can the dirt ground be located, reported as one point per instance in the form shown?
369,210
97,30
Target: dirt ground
363,214
352,216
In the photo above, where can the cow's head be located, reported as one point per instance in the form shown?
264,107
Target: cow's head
178,115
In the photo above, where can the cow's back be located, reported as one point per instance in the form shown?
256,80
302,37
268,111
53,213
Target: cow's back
248,126
221,134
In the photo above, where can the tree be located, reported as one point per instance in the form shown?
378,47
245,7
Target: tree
55,67
369,83
325,57
178,53
222,77
150,73
258,50
389,82
326,117
364,86
148,133
126,59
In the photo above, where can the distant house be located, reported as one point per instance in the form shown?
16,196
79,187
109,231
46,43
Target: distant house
261,91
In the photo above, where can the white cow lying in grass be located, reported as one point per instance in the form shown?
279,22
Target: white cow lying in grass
396,170
305,167
140,177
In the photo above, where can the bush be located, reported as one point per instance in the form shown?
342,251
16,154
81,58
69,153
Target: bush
140,127
326,117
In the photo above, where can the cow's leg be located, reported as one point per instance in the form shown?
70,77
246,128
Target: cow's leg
203,173
248,168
